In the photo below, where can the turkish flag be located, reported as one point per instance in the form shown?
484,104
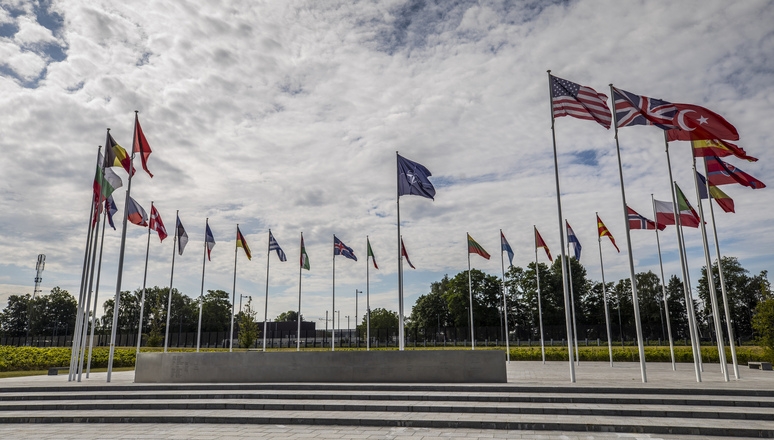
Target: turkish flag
697,123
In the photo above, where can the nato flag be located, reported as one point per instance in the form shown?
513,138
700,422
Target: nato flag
412,179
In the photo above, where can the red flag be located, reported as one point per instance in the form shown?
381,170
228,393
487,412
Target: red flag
571,99
716,147
695,123
637,221
722,173
135,213
404,254
141,145
156,224
540,243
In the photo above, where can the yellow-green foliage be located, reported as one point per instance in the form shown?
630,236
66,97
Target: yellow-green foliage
35,358
631,354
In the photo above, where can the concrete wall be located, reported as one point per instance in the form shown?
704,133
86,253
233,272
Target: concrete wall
421,366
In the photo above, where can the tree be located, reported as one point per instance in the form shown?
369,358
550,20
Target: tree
248,327
486,294
431,310
15,316
128,312
52,314
216,311
289,316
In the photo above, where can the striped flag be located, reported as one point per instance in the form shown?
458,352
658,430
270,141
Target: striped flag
371,253
141,145
571,99
719,148
573,240
540,243
182,236
603,231
135,213
110,205
240,242
274,246
404,254
209,240
475,248
304,256
723,200
506,247
722,173
116,156
156,224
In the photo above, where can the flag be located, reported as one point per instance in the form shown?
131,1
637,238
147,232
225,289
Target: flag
475,248
506,247
665,216
371,253
141,145
240,242
182,236
110,205
340,248
722,173
604,231
105,181
540,243
116,156
274,246
573,240
304,256
156,224
716,147
412,179
688,216
694,122
135,213
636,221
405,254
570,99
209,240
726,203
631,109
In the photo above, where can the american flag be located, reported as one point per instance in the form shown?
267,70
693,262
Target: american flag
631,109
274,246
570,99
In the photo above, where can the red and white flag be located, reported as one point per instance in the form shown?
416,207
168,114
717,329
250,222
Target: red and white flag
697,123
156,224
571,99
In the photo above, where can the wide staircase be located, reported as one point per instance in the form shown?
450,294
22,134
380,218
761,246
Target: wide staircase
664,411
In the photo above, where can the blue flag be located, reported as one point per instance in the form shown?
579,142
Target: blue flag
209,240
274,246
573,240
506,247
110,206
340,248
412,179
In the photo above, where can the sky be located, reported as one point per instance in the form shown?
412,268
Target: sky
287,116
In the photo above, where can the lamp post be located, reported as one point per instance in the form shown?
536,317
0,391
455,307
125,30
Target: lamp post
240,301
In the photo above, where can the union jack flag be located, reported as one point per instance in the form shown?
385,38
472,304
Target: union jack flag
631,109
637,221
340,248
571,99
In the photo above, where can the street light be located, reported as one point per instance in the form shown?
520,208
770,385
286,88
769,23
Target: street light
240,301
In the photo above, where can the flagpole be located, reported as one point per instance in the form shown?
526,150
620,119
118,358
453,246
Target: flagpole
266,297
201,294
690,289
567,317
171,277
368,303
470,293
695,346
144,279
96,292
663,287
722,278
604,296
233,297
635,299
85,307
298,335
710,277
121,259
572,296
505,302
540,307
333,326
400,262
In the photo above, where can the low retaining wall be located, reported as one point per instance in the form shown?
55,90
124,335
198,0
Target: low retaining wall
421,366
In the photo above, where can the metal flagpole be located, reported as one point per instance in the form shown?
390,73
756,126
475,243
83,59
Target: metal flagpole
298,335
400,263
94,201
572,296
696,348
567,317
144,279
333,326
695,324
710,278
233,297
201,294
604,297
635,299
722,278
96,293
368,304
266,297
540,308
470,292
171,277
121,260
505,303
663,287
